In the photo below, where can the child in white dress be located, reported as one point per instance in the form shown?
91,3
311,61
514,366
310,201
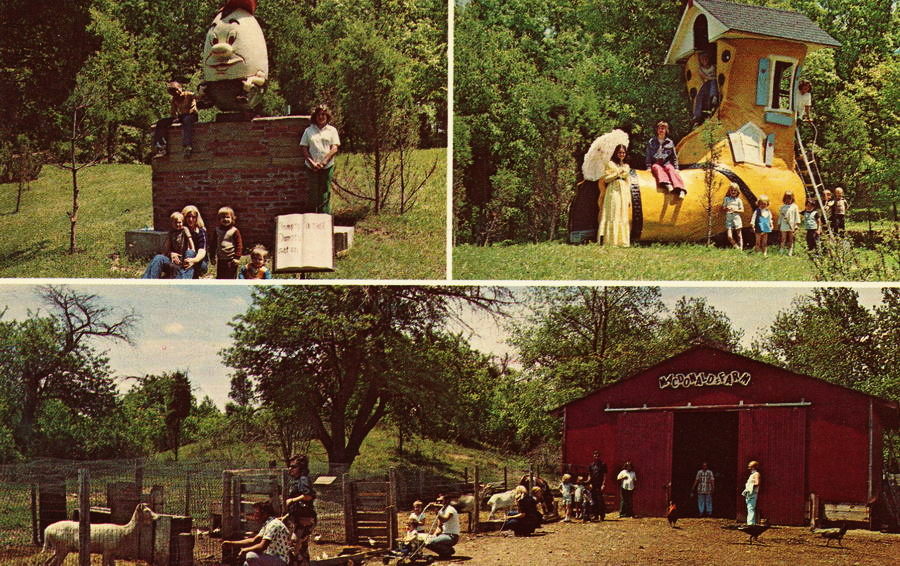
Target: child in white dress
788,221
733,206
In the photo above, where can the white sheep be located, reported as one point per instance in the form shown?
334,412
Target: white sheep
110,540
502,501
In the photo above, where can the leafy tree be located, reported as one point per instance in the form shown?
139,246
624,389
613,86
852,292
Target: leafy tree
53,357
580,338
343,357
828,334
574,340
178,407
44,44
164,414
693,321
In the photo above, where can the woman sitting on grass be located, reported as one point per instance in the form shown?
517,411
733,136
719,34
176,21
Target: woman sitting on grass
195,226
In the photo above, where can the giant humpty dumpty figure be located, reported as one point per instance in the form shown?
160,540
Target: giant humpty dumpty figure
235,61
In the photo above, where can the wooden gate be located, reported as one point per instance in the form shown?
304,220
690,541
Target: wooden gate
645,439
370,513
776,437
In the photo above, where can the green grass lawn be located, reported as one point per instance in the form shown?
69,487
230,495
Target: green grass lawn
114,198
654,262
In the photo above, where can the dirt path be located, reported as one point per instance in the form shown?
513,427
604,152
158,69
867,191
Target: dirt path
652,541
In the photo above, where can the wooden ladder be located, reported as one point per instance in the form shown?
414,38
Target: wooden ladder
808,170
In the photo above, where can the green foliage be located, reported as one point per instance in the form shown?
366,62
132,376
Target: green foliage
44,45
343,358
574,340
161,413
536,81
828,334
52,358
837,259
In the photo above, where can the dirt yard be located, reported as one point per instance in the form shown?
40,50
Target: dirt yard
652,541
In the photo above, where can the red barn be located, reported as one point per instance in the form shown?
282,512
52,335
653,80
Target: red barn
706,404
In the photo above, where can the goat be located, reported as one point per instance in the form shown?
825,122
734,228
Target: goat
502,501
110,540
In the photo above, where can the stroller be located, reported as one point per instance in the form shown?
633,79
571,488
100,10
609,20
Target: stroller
410,551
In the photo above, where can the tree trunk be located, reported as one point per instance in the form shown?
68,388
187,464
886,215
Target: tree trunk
73,216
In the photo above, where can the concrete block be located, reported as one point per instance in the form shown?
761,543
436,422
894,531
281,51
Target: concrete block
144,243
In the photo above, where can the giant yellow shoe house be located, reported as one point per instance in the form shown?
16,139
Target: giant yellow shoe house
758,55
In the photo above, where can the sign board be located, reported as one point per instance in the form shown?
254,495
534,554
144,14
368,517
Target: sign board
704,379
304,242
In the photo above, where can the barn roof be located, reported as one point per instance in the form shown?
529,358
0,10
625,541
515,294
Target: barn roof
890,410
767,21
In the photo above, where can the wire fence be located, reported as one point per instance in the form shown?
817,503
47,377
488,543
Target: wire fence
40,492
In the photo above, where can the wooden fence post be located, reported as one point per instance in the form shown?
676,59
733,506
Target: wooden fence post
35,540
84,517
347,489
187,495
392,490
226,505
476,508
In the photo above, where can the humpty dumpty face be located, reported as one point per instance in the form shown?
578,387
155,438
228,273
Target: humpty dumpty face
234,48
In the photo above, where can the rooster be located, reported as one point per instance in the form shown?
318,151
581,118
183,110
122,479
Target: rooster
754,530
833,534
672,514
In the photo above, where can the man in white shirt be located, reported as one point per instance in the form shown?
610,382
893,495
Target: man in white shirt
446,534
627,479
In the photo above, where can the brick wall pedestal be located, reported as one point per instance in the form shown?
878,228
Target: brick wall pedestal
254,167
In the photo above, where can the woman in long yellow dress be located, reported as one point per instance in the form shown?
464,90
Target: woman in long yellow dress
615,224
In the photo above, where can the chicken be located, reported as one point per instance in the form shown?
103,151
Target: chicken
833,534
754,530
672,514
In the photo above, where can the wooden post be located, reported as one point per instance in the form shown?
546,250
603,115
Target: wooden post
285,486
392,531
347,489
187,495
84,517
237,497
226,505
392,490
475,515
35,538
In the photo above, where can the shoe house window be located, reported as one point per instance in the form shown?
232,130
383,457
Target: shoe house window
747,144
782,84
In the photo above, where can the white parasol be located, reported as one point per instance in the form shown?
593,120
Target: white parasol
601,151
